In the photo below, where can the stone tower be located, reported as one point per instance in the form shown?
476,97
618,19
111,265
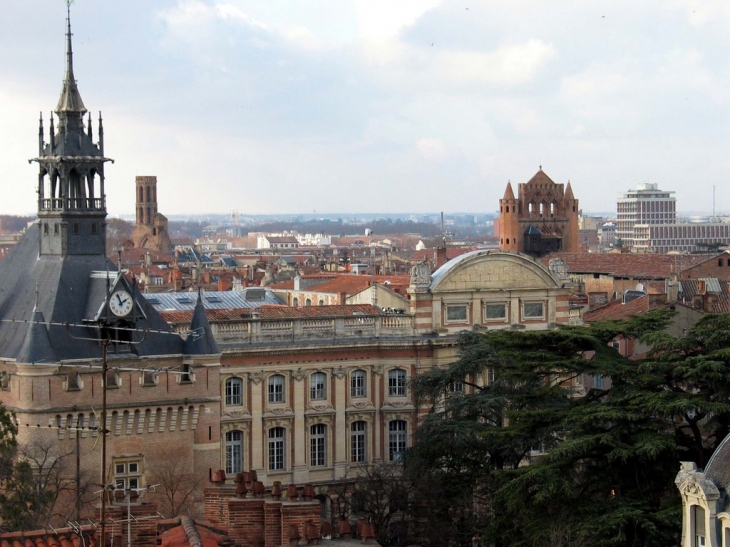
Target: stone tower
150,232
542,218
71,200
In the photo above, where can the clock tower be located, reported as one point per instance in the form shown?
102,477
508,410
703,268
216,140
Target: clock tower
71,200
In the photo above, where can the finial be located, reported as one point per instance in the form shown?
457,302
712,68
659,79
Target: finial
540,167
35,306
69,51
89,130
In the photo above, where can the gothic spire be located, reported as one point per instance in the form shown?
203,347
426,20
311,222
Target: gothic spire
70,99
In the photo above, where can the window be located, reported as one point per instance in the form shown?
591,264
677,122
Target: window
308,302
112,379
55,228
457,313
127,473
76,228
318,386
495,312
234,452
533,310
276,388
699,525
397,382
598,381
456,387
4,380
318,445
358,450
295,302
276,449
234,392
397,439
45,232
93,228
358,381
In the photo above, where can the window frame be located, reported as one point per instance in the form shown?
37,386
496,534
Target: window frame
126,478
397,439
449,306
318,386
358,384
359,442
318,445
276,396
276,448
543,307
397,381
503,319
233,452
231,397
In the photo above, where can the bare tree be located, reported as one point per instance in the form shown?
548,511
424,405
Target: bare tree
179,491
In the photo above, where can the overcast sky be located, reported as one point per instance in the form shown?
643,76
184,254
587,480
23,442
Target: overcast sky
271,106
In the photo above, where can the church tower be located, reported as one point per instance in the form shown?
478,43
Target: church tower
541,219
150,231
71,199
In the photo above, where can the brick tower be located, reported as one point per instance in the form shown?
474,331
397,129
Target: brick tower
542,218
150,232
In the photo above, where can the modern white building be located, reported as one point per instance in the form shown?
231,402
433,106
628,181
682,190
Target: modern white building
647,205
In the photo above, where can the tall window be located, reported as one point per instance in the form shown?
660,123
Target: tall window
234,392
357,384
276,388
234,452
276,449
358,450
318,445
397,382
397,439
318,386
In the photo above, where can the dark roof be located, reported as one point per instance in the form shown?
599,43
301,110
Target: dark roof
70,290
37,346
718,468
200,341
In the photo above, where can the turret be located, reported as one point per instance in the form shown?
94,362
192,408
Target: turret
509,220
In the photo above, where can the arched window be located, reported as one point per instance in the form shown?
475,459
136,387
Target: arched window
308,302
542,209
358,440
149,195
321,302
277,446
276,388
318,445
318,386
358,384
397,439
295,302
234,452
553,209
397,382
234,392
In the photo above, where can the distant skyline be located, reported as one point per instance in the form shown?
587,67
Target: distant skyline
377,105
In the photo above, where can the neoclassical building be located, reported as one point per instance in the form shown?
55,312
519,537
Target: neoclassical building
705,501
309,399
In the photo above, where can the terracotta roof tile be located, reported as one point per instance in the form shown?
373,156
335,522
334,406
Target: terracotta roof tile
618,310
353,284
631,265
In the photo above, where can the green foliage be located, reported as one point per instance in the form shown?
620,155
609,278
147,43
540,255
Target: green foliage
608,457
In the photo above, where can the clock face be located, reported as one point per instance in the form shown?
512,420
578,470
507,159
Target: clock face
121,303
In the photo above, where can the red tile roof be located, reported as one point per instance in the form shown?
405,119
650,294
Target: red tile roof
451,252
630,265
618,310
353,284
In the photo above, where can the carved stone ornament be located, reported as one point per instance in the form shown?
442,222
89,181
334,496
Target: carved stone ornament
256,377
235,426
359,417
299,375
339,373
279,411
420,275
315,419
239,415
321,408
365,405
378,369
277,422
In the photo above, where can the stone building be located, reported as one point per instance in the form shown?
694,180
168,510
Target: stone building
66,313
150,231
542,218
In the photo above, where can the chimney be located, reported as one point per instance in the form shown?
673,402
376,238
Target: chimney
701,288
439,258
343,298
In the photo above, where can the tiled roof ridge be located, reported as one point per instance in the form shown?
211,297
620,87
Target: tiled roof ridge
191,531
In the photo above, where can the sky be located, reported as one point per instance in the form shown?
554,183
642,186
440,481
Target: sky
347,106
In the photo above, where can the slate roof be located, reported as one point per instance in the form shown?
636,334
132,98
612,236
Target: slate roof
689,288
201,340
273,312
68,292
718,468
628,265
250,297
